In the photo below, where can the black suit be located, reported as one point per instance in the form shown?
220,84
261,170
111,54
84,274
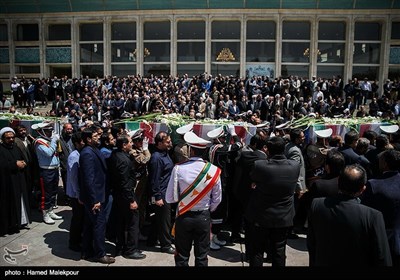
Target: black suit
383,194
242,189
66,149
242,182
324,187
343,232
92,182
58,107
270,210
123,173
319,188
373,157
351,157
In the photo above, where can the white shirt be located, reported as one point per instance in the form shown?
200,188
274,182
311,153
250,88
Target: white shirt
185,176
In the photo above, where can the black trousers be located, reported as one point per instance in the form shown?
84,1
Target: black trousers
127,221
76,226
274,239
49,187
94,231
192,227
63,173
163,225
219,215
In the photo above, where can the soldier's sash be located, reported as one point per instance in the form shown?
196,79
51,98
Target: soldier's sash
199,188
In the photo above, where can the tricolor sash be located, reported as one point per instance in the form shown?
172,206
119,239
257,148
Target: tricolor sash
40,141
204,182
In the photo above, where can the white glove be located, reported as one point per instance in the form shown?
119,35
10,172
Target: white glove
145,144
55,136
231,129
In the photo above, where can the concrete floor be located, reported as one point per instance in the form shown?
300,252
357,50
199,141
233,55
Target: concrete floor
47,246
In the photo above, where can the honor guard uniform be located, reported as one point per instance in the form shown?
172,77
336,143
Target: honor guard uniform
196,186
181,151
220,154
140,155
49,163
389,130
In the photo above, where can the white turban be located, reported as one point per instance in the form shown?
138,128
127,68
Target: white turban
6,129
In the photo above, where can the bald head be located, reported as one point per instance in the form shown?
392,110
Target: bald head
352,180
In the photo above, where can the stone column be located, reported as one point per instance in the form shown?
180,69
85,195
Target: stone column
139,46
75,57
11,47
385,53
107,46
313,48
207,67
173,46
243,34
348,57
44,71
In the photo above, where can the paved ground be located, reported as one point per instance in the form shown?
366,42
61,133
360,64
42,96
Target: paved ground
47,245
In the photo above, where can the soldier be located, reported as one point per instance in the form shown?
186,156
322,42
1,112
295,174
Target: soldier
201,180
220,154
140,155
49,164
181,151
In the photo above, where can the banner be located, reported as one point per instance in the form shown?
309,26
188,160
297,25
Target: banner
261,69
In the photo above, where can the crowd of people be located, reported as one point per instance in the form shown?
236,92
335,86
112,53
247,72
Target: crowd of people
255,99
343,193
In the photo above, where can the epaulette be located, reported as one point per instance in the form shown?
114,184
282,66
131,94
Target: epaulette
187,160
40,141
182,162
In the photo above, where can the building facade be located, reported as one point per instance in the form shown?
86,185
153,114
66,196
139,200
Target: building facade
350,38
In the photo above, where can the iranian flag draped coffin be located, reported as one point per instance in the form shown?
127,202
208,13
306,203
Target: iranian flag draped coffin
152,128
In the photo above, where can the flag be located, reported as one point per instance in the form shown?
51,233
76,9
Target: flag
151,129
338,129
27,123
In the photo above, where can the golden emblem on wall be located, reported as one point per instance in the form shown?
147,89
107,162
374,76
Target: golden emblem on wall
225,55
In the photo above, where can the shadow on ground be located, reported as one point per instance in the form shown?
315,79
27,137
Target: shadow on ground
228,254
299,244
57,241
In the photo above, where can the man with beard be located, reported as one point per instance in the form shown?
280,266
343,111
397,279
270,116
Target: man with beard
160,168
14,203
121,169
24,142
66,148
92,183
